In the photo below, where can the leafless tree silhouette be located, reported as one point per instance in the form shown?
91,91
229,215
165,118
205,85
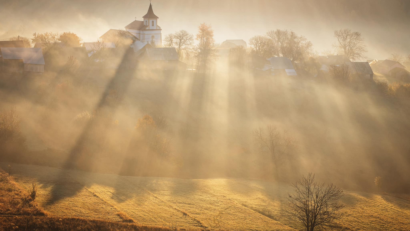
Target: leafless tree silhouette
314,205
351,43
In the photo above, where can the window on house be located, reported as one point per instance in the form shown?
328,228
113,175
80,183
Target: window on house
152,23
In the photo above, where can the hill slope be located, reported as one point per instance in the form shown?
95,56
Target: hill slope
194,203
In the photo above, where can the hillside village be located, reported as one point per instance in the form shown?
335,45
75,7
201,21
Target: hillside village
145,40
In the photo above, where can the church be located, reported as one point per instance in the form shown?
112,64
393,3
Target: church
138,33
147,30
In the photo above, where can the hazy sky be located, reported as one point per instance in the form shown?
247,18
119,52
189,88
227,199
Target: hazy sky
385,24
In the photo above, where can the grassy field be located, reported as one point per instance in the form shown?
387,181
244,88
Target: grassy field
229,204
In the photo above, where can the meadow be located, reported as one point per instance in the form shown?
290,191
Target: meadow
209,203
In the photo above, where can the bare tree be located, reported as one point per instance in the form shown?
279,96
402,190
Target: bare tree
350,43
205,50
276,145
46,39
169,40
290,45
314,205
262,46
182,40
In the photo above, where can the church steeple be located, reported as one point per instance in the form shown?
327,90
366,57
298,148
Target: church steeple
150,14
150,19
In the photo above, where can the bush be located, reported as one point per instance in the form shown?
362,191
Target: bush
33,191
11,137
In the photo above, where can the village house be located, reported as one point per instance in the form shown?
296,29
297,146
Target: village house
327,62
159,57
22,59
280,66
362,70
227,45
386,67
93,47
232,43
16,43
137,34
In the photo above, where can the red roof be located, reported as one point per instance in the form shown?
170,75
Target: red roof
136,25
150,13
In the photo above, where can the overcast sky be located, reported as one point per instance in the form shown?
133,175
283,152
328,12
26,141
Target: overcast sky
385,24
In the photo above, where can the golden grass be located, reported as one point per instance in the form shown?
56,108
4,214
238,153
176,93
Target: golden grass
125,218
228,204
57,223
14,200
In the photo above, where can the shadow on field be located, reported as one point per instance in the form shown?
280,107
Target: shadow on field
83,153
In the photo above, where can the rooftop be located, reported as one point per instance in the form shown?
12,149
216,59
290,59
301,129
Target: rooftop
362,67
281,63
28,55
136,25
16,43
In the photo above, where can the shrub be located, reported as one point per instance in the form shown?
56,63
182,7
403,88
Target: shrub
33,191
341,74
11,137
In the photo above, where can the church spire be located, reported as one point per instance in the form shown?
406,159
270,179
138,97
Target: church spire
150,13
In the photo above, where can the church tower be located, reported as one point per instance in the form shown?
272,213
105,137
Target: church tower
152,31
147,31
150,19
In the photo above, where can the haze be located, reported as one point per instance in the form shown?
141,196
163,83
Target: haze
204,115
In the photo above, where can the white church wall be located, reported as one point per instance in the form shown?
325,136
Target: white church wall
134,32
147,36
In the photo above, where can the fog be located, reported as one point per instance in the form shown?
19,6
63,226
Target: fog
384,24
229,121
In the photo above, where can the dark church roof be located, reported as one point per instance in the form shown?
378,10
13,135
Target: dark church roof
150,13
136,25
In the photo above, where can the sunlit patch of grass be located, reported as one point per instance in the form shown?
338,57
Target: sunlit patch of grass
14,200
